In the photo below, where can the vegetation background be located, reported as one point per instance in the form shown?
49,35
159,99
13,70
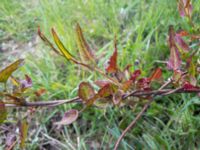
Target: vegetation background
141,26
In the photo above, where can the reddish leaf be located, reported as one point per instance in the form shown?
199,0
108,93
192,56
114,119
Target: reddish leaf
182,33
27,83
135,75
23,128
84,49
188,86
40,92
107,90
126,85
112,64
143,83
101,83
185,8
3,112
174,61
69,117
156,74
181,43
86,91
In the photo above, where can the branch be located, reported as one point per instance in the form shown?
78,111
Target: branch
132,124
138,93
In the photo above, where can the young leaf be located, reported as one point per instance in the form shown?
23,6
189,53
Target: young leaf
101,83
68,118
126,85
185,8
174,61
143,83
156,75
6,73
135,75
85,91
40,92
23,128
3,112
61,47
25,84
107,90
84,49
112,64
181,43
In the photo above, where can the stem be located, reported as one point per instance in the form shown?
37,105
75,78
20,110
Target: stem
132,124
51,103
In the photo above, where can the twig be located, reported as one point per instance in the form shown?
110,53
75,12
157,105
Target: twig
44,103
132,124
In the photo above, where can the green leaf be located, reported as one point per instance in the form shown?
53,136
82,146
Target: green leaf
85,51
86,91
6,72
61,47
3,112
23,133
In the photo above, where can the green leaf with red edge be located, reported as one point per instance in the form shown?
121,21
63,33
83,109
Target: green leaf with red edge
156,75
86,91
61,47
174,61
112,64
3,112
7,72
92,100
107,90
85,51
69,117
23,129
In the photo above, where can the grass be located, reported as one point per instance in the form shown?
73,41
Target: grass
141,28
